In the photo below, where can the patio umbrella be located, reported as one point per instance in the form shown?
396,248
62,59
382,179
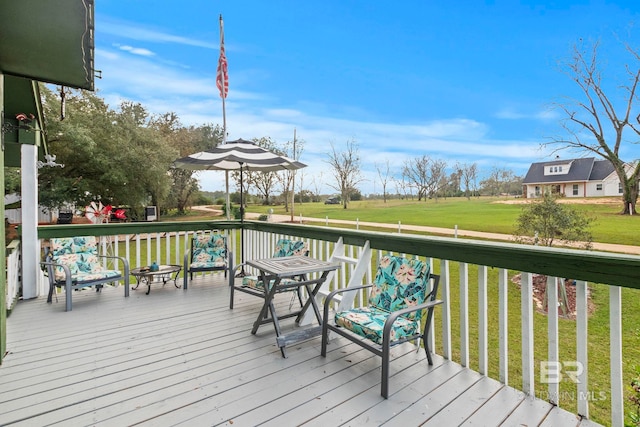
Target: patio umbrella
239,155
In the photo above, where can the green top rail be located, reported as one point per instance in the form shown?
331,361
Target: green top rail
591,266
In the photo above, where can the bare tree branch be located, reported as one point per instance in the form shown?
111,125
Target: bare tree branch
593,123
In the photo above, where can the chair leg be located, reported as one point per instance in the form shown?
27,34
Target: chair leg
325,338
384,387
51,287
231,289
426,349
68,292
425,335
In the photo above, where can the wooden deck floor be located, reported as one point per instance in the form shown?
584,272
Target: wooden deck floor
179,357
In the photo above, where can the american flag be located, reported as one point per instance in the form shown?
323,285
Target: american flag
222,77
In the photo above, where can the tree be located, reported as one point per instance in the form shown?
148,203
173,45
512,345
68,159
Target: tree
301,187
293,150
501,181
187,140
264,182
111,156
416,171
317,185
425,174
468,174
184,182
12,180
346,170
438,177
546,221
596,124
384,175
450,185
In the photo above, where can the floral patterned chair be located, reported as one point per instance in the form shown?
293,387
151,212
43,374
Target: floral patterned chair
398,300
253,285
208,252
74,263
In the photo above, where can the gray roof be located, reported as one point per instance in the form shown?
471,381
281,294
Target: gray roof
586,169
601,170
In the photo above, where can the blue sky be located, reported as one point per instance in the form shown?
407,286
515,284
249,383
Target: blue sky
467,81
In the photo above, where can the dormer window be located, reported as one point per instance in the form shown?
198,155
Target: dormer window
557,169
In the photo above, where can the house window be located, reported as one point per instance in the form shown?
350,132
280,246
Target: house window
599,187
620,187
537,190
560,168
575,189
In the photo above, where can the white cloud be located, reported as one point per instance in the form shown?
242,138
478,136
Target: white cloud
161,87
136,50
508,113
136,32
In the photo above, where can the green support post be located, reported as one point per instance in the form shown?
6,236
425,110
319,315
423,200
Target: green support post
3,254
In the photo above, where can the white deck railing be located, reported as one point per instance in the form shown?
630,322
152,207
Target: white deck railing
471,332
13,273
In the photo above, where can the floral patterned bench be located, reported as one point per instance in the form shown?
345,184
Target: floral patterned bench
74,263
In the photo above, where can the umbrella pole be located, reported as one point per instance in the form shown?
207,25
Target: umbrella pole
241,273
228,202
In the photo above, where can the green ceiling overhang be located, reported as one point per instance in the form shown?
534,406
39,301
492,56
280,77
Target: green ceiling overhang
50,41
22,95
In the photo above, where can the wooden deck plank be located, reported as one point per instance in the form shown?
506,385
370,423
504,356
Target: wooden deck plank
430,404
558,417
255,380
531,411
264,400
177,357
81,363
355,378
171,367
463,405
496,409
408,386
192,383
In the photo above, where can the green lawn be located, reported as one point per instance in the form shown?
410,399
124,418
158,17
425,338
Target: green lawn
478,214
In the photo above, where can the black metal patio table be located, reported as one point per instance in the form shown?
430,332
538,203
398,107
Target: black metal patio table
146,275
276,269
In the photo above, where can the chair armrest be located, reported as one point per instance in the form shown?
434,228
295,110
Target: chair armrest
125,262
386,331
342,290
330,297
233,269
67,271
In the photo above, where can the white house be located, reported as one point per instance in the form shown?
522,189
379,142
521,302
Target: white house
585,177
14,216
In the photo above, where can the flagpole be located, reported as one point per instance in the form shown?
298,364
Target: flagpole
293,178
224,83
221,81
